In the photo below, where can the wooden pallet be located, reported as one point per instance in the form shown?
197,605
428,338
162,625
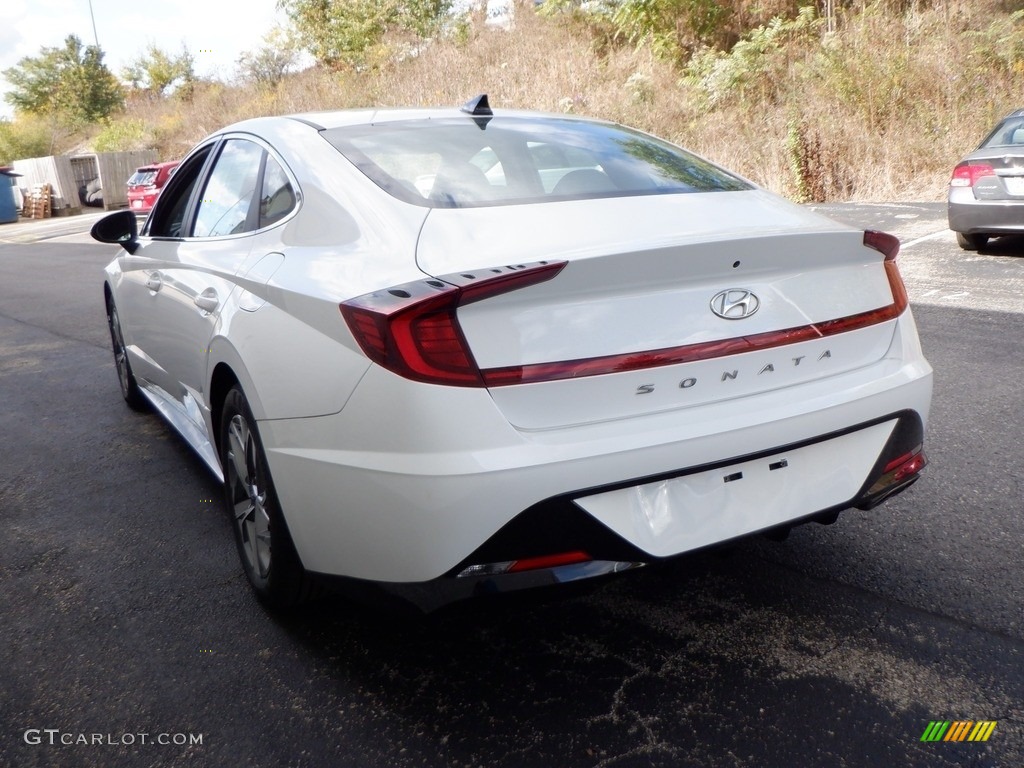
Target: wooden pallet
37,204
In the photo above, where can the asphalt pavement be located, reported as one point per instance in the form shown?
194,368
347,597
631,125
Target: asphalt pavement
128,636
58,228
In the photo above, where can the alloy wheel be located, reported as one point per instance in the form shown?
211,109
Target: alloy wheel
248,494
120,352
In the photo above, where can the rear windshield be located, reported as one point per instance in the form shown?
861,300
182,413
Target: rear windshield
466,162
1009,133
142,177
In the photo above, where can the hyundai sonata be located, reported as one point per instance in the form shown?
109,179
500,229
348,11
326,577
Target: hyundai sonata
462,351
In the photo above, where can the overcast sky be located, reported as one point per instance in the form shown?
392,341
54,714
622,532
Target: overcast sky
215,31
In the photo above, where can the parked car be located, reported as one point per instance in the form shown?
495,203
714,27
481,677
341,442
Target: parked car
411,369
146,183
986,191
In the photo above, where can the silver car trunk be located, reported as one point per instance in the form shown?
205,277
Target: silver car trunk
1008,164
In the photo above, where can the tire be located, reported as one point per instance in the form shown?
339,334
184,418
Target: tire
265,547
129,387
971,242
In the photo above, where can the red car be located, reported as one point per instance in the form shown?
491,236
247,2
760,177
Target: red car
145,184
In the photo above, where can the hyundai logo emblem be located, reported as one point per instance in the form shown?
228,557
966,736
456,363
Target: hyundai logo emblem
735,303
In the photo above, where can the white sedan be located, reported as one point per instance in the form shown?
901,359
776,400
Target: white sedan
463,351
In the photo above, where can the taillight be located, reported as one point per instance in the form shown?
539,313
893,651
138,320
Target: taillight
886,244
889,246
967,174
413,329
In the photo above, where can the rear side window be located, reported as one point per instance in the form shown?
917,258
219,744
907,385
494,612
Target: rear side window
277,198
1009,133
456,163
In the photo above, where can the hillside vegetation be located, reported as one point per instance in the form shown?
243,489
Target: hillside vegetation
821,101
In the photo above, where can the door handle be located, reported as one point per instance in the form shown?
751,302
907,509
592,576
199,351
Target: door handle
154,282
207,300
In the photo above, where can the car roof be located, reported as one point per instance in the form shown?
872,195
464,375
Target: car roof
349,117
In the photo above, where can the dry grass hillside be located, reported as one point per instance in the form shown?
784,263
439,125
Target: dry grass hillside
878,109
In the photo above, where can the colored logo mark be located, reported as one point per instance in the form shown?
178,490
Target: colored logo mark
958,730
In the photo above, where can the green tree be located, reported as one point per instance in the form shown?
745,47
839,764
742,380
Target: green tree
341,32
69,85
25,137
160,73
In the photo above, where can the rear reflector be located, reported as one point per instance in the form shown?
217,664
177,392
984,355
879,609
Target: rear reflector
549,561
527,564
900,470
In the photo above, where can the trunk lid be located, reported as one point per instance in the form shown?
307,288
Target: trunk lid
1008,182
628,328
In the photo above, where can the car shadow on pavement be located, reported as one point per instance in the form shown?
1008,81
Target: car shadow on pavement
1008,245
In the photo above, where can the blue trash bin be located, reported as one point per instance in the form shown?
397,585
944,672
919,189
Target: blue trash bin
8,207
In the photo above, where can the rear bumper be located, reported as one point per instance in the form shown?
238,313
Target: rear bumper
984,217
622,522
563,524
413,494
141,203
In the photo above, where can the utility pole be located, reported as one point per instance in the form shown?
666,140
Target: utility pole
93,17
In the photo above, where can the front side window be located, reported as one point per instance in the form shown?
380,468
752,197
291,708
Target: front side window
168,217
226,205
458,163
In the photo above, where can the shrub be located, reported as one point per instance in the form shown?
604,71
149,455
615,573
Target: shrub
760,61
121,135
23,138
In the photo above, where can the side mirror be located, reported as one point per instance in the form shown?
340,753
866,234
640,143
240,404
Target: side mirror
119,229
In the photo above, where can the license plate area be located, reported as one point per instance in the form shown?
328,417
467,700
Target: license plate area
1014,185
676,515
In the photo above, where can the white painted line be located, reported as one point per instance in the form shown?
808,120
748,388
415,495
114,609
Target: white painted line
932,236
81,237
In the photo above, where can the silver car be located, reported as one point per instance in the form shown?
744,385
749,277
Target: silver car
986,192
